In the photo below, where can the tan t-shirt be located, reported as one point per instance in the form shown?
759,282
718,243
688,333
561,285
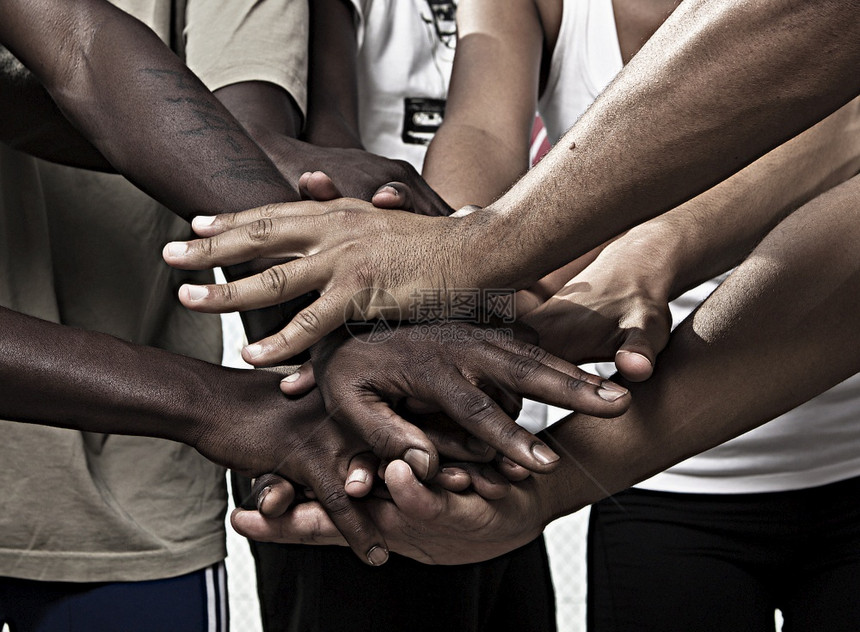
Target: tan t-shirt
83,249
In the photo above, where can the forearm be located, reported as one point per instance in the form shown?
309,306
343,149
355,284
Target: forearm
715,230
779,331
145,112
262,108
68,377
482,147
32,123
333,79
717,86
471,165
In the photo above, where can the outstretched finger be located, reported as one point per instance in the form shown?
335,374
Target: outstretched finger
261,239
308,327
209,225
351,519
272,286
481,416
532,372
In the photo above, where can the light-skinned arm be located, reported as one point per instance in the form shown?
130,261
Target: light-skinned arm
482,146
617,307
719,84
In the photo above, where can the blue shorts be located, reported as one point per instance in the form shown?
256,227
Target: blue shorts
189,603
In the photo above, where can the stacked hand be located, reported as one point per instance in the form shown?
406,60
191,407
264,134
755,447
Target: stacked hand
347,250
616,308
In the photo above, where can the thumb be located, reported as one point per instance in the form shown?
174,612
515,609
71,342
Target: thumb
318,186
642,342
299,382
393,196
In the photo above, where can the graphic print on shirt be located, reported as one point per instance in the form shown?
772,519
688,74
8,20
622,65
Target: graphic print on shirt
423,116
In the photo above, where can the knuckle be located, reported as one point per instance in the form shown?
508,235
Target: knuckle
525,368
274,280
227,292
204,247
261,230
381,440
538,354
269,211
476,407
573,384
335,501
308,321
343,216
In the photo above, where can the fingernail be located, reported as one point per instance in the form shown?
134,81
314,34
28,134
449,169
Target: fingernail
419,461
195,292
357,476
202,221
254,350
610,391
377,556
176,248
292,377
453,471
543,454
388,189
262,496
632,353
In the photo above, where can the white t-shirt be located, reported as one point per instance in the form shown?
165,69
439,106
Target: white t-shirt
816,443
405,57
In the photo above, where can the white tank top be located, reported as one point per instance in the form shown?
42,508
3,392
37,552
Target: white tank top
814,444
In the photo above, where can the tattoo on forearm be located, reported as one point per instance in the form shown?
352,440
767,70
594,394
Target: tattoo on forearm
247,168
179,78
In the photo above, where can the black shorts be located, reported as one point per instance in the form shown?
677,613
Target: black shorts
667,562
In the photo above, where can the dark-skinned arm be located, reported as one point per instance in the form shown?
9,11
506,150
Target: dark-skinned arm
33,123
779,331
155,122
331,160
150,117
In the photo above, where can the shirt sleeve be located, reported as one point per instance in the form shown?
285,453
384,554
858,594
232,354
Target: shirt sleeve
232,41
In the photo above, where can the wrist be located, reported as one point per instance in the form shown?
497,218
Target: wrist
225,397
484,240
648,257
